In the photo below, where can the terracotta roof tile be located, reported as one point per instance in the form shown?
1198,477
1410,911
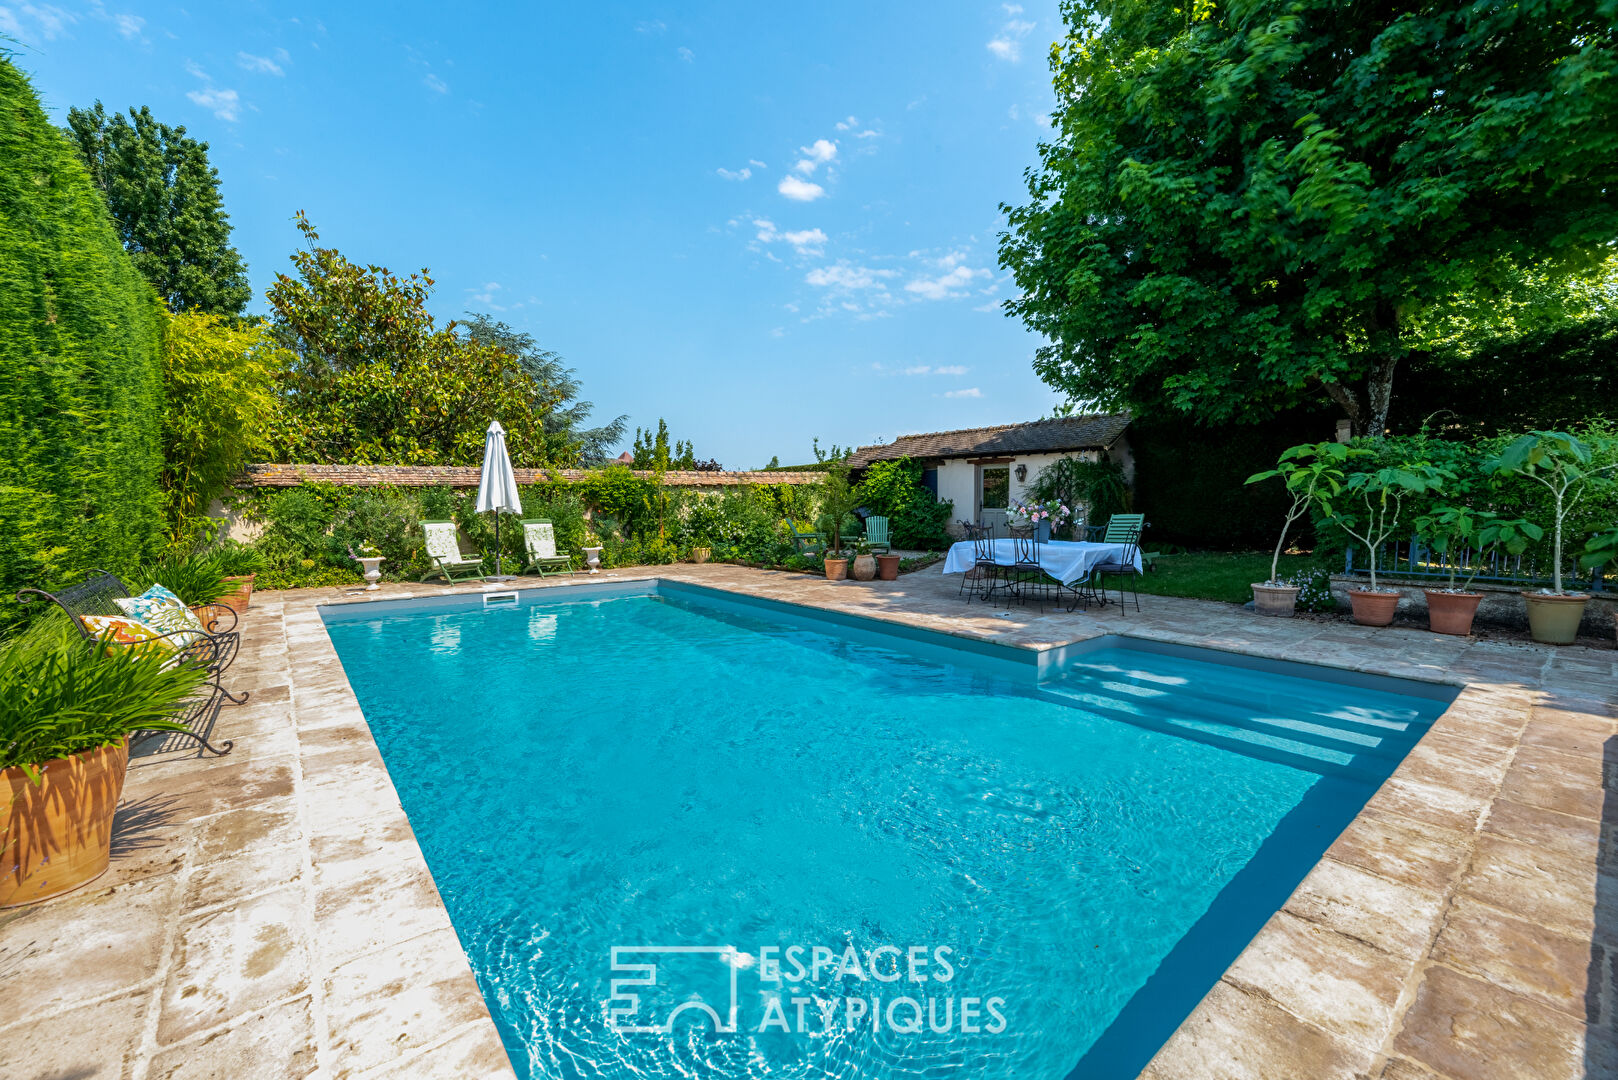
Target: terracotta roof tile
1094,432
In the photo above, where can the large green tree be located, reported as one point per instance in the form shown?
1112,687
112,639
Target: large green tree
164,199
81,380
372,379
1250,204
564,426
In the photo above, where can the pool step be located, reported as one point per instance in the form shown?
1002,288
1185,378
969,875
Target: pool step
1319,744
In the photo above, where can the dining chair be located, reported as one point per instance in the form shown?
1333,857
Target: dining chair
1027,577
1123,567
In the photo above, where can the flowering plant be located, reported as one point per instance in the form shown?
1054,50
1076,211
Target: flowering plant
1052,511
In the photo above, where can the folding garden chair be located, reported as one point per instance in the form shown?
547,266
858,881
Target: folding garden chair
539,537
444,549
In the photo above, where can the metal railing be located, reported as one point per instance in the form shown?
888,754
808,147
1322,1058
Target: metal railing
1413,559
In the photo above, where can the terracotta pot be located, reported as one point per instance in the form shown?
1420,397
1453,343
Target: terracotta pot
1278,600
1373,608
1452,612
864,568
701,555
1553,618
836,569
237,601
58,836
887,567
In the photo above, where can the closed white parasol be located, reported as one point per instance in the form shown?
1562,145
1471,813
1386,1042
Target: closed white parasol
497,488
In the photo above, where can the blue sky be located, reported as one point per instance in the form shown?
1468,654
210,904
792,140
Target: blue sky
764,224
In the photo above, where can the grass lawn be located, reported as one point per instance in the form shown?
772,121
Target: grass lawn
1215,575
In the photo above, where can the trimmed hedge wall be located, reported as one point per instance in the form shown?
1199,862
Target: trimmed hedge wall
81,384
1190,481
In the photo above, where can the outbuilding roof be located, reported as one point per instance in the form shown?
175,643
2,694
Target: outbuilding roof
1097,431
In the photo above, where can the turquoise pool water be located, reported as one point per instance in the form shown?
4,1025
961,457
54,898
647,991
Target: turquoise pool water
676,770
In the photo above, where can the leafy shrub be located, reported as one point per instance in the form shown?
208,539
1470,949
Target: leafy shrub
196,578
387,519
621,495
61,696
916,517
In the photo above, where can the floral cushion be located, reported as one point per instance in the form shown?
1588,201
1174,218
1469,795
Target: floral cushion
125,631
158,607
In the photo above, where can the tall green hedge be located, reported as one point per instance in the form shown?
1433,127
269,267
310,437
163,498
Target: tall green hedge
81,388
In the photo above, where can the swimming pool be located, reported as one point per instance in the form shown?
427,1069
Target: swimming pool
833,847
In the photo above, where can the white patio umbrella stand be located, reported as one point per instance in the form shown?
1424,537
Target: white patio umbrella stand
497,489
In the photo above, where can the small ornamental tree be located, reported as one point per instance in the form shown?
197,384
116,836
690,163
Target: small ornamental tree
1313,473
1562,464
1382,494
1454,528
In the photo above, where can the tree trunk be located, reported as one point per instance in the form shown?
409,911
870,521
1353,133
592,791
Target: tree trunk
1379,388
1345,399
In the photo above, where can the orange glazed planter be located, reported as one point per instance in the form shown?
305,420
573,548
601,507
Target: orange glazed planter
240,597
57,835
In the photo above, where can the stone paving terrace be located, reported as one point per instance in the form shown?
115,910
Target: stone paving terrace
269,914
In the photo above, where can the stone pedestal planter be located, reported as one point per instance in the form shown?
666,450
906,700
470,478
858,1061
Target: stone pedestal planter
1277,600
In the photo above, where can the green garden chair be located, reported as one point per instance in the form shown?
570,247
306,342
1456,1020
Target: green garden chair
444,549
1120,528
539,537
876,534
804,540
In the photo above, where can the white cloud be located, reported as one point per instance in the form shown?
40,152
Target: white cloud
686,54
262,64
950,369
756,163
918,369
969,392
848,125
846,276
806,241
1007,45
485,296
49,20
226,104
651,26
868,133
129,26
816,154
947,286
799,190
738,174
435,84
1012,9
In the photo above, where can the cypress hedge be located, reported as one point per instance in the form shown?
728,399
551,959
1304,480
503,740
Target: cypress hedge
81,385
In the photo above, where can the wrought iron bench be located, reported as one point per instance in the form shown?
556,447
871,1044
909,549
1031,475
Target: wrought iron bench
213,650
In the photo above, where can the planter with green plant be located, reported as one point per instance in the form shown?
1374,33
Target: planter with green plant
67,709
1564,466
238,566
1382,493
1313,474
1602,549
838,499
1458,532
370,558
864,565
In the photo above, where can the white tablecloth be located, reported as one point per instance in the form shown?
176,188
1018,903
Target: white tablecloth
1067,561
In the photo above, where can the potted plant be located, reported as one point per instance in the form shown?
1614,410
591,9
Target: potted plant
864,567
838,500
700,555
1562,464
238,567
1312,473
1602,549
1382,492
67,709
1455,529
887,567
